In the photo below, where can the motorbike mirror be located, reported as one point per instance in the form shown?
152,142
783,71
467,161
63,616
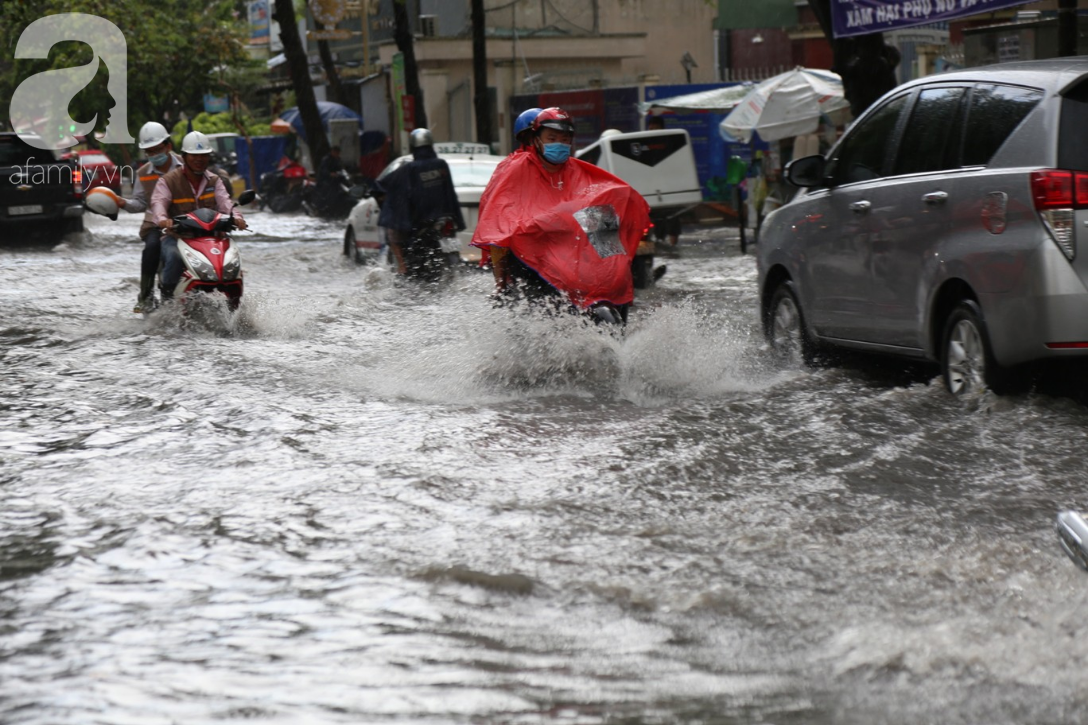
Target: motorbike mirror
1073,536
359,191
246,197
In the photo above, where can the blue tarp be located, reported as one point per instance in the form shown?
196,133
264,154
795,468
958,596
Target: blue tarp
328,111
267,150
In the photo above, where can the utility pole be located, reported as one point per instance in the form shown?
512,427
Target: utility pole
1067,28
299,65
480,97
402,34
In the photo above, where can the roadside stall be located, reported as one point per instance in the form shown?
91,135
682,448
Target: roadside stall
799,110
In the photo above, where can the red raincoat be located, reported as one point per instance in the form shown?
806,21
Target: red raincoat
578,228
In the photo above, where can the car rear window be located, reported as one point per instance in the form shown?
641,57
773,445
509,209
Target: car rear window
1072,139
89,159
592,156
994,112
16,152
475,173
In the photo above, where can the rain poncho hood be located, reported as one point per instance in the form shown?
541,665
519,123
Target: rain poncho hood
578,228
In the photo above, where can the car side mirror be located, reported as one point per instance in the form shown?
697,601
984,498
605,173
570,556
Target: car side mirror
1073,536
807,171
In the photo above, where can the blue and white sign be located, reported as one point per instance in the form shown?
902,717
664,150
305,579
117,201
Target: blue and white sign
861,17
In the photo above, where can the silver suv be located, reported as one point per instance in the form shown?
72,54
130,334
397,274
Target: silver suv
944,226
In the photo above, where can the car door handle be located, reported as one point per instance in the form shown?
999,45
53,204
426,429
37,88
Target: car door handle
860,207
935,197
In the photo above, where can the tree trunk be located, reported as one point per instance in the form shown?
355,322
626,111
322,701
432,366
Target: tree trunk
1067,27
402,33
865,63
481,98
299,66
336,89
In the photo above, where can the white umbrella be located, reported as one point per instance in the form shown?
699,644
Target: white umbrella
789,104
716,99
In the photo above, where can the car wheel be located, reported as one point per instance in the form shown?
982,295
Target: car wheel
967,362
785,328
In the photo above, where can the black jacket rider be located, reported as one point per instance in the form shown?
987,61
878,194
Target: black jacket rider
419,192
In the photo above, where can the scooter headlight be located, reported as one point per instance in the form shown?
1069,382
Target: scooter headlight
201,267
232,264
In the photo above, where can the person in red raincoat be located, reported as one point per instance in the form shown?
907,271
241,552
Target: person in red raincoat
558,225
523,135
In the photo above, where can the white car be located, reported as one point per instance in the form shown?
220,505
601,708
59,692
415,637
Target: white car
471,166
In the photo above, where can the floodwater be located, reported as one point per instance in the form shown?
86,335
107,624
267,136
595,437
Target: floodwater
356,502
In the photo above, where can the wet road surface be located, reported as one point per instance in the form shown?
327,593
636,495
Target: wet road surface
358,502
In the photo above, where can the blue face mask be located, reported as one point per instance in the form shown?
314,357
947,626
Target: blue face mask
556,153
158,159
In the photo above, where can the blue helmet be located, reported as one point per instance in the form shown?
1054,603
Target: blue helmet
525,122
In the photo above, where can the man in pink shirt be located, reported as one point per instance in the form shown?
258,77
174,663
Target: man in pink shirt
188,187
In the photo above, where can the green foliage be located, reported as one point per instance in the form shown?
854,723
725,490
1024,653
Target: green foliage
217,123
178,50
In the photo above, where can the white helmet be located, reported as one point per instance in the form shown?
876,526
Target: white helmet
153,134
196,143
102,201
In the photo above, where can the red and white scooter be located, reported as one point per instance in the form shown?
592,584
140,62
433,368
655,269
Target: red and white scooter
212,262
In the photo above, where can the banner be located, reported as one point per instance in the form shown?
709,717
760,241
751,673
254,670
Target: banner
860,17
258,22
216,104
398,90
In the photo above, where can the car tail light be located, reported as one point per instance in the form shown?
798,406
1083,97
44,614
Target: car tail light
77,181
1058,194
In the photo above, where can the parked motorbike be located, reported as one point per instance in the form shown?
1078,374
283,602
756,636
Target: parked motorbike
284,190
212,262
334,201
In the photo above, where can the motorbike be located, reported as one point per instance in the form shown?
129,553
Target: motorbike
335,201
284,190
212,262
526,286
433,249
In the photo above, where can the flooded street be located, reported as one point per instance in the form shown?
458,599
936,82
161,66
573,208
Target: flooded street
360,503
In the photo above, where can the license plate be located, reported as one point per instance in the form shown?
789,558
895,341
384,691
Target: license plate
450,244
26,209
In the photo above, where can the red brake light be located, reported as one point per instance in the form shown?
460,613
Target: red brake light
77,181
1052,189
1080,188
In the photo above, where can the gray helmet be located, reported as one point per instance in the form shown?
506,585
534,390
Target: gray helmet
420,137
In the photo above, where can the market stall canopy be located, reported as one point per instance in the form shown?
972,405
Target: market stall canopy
789,104
328,111
716,99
